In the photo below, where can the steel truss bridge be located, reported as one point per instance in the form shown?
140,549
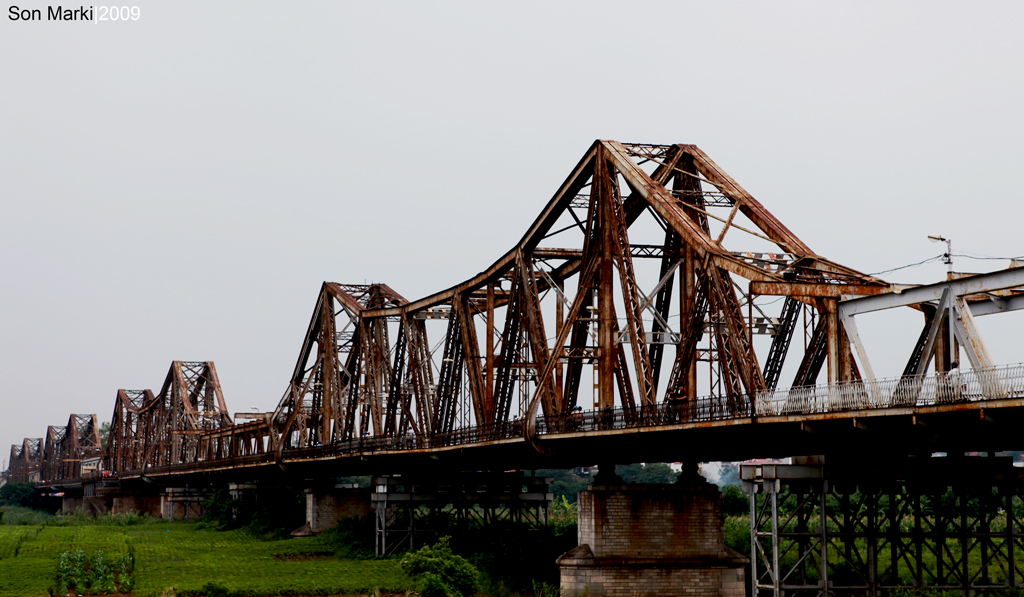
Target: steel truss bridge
626,325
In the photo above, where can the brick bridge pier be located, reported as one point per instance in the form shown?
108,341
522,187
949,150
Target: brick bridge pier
651,540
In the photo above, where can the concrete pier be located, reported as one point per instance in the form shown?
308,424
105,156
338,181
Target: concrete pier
326,506
652,540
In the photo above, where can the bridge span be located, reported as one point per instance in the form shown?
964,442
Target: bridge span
840,420
626,325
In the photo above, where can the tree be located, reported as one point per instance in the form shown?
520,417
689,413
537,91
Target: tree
18,494
104,433
566,483
440,573
654,472
734,501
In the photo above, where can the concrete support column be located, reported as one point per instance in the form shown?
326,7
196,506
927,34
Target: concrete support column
652,539
182,503
326,506
131,502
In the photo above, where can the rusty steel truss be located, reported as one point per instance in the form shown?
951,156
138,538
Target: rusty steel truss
178,425
631,301
619,289
25,461
67,446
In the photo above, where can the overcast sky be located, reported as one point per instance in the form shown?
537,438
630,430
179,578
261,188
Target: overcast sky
179,186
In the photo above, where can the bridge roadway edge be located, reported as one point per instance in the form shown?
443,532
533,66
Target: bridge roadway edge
974,426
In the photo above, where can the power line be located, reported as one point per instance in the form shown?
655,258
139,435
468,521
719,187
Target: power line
988,258
937,257
930,259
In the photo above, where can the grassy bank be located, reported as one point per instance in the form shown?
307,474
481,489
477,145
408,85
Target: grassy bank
175,558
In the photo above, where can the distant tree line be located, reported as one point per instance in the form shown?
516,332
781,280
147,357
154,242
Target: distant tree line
24,495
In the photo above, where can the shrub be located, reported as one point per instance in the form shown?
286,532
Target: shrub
440,573
352,538
96,574
734,501
220,511
737,534
79,518
513,555
212,589
564,513
17,494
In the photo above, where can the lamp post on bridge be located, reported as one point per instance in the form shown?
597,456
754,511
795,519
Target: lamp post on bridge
948,257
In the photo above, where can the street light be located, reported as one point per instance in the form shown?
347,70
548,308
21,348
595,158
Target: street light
948,257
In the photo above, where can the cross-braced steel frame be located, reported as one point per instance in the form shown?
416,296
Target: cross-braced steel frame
631,301
620,289
26,459
936,524
410,511
66,446
179,425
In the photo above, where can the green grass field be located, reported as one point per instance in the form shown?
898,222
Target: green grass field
178,557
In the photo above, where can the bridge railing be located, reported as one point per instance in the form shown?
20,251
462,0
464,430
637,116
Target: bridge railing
954,387
937,389
707,408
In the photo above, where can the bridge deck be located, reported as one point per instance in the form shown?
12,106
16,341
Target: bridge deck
851,419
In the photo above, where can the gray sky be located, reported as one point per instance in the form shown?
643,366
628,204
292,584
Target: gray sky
178,187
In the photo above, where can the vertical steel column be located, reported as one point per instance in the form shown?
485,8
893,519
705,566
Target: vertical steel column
985,537
832,328
489,364
1011,541
965,547
918,541
381,526
753,539
688,295
823,517
776,577
872,540
559,324
328,354
940,541
605,304
894,535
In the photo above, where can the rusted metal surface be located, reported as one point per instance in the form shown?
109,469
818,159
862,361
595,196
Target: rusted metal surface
180,425
857,405
622,307
814,290
67,446
23,467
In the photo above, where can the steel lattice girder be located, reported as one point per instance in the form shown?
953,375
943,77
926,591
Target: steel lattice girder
25,460
578,293
867,527
68,445
179,425
367,368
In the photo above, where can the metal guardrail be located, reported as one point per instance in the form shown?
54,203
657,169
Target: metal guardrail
944,388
